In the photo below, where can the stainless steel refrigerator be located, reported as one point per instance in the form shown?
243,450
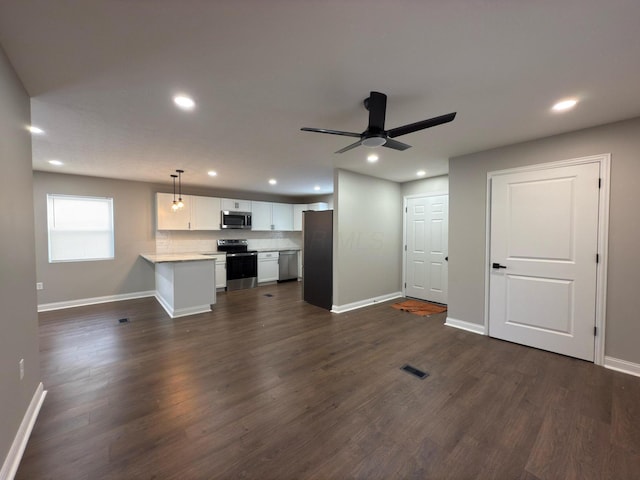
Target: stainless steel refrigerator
317,258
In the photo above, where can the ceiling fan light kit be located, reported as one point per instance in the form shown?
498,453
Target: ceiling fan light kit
373,142
375,135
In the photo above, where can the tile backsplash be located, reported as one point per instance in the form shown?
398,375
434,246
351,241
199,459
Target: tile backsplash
178,241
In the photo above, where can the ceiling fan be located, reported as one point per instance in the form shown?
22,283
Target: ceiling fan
375,135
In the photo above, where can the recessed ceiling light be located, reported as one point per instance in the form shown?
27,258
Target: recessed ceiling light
212,173
184,102
564,105
316,188
34,129
372,158
273,181
57,163
421,173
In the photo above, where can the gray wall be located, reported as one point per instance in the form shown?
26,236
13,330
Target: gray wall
328,199
18,317
239,194
133,206
467,186
134,219
438,184
368,245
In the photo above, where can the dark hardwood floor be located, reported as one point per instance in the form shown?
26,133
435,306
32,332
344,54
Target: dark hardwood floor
268,387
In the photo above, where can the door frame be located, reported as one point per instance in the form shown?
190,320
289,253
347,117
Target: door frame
604,160
404,232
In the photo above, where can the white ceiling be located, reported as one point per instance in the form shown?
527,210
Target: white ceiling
102,74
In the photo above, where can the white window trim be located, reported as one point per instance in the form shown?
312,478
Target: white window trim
50,220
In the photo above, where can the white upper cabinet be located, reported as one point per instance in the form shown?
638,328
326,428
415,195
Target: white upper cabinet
205,213
282,217
236,205
198,213
298,208
261,216
167,218
271,216
319,206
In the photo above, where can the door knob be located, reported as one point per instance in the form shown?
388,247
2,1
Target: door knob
497,265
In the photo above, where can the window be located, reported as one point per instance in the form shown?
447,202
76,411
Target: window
80,228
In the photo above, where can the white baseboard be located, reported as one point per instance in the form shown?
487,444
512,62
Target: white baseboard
181,312
11,463
622,366
468,326
365,303
45,307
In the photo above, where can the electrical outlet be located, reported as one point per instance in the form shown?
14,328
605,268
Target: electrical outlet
21,368
39,286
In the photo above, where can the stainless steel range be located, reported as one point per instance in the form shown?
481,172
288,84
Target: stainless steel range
242,264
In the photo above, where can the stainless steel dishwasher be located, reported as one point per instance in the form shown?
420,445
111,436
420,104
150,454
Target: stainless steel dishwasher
288,265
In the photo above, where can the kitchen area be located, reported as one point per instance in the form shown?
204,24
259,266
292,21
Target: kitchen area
212,245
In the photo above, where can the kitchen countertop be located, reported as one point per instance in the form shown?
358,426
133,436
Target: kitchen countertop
196,257
180,257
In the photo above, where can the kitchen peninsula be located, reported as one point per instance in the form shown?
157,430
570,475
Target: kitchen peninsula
185,282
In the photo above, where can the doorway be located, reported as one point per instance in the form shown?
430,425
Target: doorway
547,256
426,245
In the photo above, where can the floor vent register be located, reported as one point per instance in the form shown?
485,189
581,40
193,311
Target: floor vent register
415,371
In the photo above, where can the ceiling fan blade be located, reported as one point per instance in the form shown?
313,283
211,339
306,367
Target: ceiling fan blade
377,105
414,127
332,132
349,147
396,145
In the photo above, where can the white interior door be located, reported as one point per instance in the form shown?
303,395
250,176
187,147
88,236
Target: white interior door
426,272
544,240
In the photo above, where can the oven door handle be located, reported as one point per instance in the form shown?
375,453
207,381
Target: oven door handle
242,254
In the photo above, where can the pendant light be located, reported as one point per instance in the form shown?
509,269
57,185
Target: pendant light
180,202
174,205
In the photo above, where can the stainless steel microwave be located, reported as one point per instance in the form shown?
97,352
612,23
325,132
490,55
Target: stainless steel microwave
239,220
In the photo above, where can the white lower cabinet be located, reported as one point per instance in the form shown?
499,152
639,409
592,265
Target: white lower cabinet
221,271
268,266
